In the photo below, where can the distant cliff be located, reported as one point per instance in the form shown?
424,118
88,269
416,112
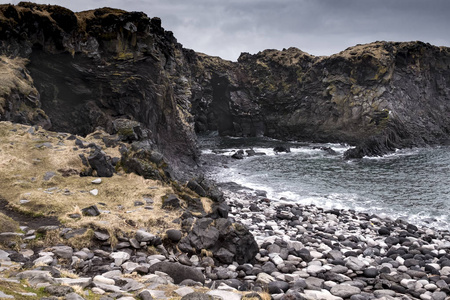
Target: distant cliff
76,71
378,96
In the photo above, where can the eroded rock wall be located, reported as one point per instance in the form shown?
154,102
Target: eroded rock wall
379,96
90,68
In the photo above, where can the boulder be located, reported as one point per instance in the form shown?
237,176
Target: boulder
100,162
279,149
238,154
228,241
178,271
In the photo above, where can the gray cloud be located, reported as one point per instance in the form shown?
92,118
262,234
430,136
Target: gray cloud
320,27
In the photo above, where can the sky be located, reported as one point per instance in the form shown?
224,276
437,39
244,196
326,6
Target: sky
226,28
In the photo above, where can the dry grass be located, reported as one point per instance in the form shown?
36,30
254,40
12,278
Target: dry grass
24,161
7,224
12,76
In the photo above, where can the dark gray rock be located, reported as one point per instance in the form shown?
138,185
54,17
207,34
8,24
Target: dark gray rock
178,272
58,290
238,154
370,272
174,235
277,287
101,163
145,295
171,201
269,267
91,211
224,255
194,186
220,233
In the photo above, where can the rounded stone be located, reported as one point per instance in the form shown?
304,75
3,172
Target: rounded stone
174,235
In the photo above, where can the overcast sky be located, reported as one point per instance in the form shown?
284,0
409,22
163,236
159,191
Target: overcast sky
226,28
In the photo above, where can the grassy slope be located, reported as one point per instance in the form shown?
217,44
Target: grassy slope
24,160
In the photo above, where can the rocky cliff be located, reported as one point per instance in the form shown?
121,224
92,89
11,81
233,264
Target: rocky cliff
73,72
378,96
76,71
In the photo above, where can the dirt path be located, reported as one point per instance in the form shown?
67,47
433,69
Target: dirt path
24,219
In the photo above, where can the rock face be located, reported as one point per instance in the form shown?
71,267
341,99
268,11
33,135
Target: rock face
378,96
88,69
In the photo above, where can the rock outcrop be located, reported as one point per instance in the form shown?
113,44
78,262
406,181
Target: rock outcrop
84,70
378,96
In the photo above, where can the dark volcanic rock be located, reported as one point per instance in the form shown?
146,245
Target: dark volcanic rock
101,163
227,240
178,272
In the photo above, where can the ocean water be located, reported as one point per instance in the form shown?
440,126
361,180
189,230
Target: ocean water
413,184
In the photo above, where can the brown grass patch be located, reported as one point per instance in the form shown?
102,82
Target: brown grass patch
25,159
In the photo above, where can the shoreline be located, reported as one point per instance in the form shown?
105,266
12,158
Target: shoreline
345,253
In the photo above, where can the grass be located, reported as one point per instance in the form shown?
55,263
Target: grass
15,289
7,224
24,162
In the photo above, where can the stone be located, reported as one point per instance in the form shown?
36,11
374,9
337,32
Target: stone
178,271
73,296
174,235
94,192
91,211
370,272
101,236
344,291
438,296
355,264
171,201
277,287
183,291
313,283
63,251
135,243
144,236
82,281
58,290
194,186
49,175
103,280
264,278
45,260
101,163
320,295
120,257
224,256
97,181
129,267
145,295
224,295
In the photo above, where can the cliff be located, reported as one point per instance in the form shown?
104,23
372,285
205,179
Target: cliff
379,96
75,72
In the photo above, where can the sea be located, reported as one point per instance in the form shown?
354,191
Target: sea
412,184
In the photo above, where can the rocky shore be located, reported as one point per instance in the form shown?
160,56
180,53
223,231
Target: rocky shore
304,252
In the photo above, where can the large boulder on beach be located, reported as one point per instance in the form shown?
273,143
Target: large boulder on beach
227,241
